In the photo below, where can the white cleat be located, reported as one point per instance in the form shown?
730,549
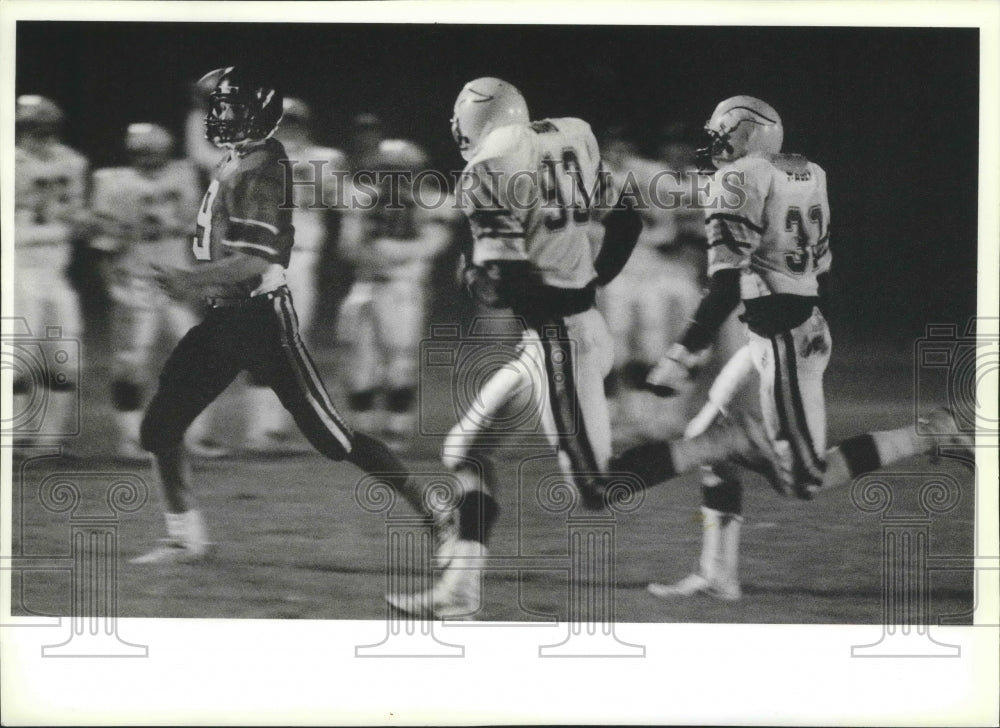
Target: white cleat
456,594
693,584
940,424
173,552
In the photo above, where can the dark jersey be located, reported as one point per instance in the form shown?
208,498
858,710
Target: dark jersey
247,209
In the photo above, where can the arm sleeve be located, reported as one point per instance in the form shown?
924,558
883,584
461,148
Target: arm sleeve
621,232
723,296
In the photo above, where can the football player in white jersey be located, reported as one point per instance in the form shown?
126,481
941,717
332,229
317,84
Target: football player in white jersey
530,191
769,246
391,245
314,169
49,188
144,212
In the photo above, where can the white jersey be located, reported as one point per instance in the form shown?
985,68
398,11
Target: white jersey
147,218
48,200
391,242
319,164
772,220
530,193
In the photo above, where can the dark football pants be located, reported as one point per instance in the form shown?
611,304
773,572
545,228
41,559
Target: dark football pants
261,336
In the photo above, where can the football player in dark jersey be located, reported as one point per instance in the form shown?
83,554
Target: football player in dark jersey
241,248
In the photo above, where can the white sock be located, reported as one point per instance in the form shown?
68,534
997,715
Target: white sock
727,571
711,541
128,425
176,524
195,531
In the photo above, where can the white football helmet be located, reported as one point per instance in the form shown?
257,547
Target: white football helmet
739,126
482,106
148,145
400,154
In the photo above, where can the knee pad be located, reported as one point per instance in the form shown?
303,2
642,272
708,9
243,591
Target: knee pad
125,396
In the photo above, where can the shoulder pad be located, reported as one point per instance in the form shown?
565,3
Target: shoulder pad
752,167
509,143
790,163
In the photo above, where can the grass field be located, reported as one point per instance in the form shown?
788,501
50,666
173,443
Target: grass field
293,543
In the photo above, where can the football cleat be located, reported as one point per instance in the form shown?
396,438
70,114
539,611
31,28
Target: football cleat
174,552
940,424
693,584
457,592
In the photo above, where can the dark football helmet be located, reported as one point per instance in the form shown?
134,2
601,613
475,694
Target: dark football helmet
241,108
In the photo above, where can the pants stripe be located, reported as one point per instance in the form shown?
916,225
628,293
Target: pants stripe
305,373
798,425
565,403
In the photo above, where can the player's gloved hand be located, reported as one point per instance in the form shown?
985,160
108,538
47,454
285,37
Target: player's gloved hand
482,283
675,372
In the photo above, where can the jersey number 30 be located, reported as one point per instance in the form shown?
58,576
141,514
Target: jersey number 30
202,244
554,193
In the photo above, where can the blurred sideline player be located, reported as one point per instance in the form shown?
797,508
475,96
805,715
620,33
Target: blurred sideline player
241,247
770,247
649,304
391,247
268,423
717,574
531,252
145,213
335,271
49,189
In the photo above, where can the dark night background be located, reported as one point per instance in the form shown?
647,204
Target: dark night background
892,114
